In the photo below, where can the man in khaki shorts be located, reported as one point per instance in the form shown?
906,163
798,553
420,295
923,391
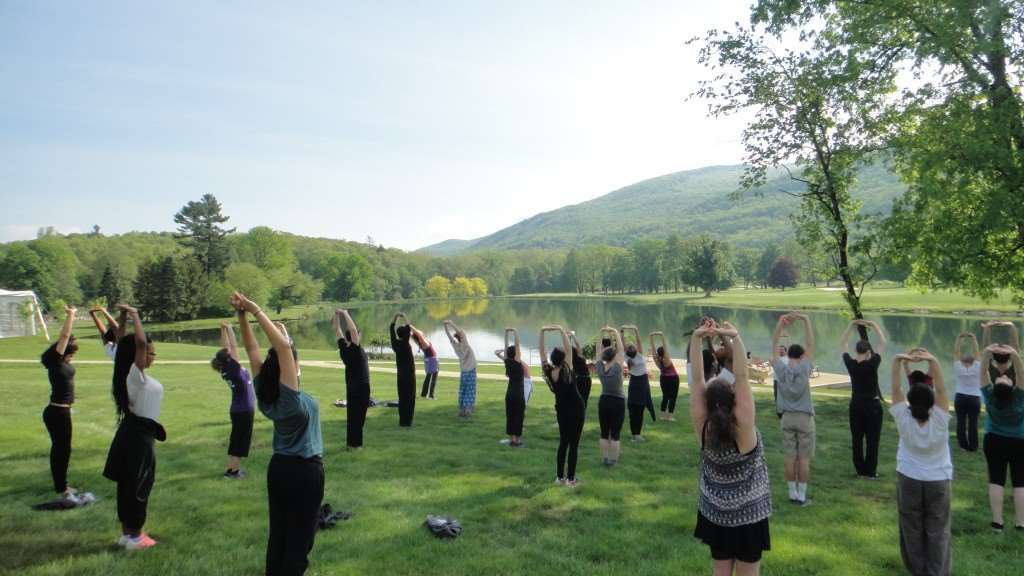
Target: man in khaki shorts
793,373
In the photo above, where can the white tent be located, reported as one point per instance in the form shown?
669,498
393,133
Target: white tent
19,314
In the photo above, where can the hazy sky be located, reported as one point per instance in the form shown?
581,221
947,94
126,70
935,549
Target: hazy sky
411,122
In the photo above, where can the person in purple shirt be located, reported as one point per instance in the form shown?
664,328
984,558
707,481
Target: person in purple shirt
242,401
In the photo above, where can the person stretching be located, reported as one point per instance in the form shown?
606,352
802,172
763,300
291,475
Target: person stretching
866,399
967,401
1004,434
639,384
668,378
110,333
406,365
131,461
611,406
430,363
467,367
568,405
295,474
357,378
923,467
515,394
735,500
57,359
580,371
794,402
243,400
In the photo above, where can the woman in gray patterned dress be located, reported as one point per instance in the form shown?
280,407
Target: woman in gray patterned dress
735,500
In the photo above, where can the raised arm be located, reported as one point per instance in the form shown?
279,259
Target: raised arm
449,331
938,382
232,344
654,348
95,320
844,340
777,333
986,334
986,361
65,329
808,335
336,324
896,393
278,340
882,341
1014,336
141,346
1018,367
519,350
353,330
636,337
252,348
698,405
745,410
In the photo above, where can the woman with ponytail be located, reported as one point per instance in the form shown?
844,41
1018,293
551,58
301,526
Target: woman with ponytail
568,405
735,500
1004,432
923,466
295,475
131,461
57,359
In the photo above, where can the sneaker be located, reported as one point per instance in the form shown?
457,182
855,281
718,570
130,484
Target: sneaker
805,502
638,439
559,481
606,462
140,543
996,527
123,540
572,483
505,441
236,474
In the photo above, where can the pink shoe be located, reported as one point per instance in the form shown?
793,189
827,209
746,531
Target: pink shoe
142,542
571,483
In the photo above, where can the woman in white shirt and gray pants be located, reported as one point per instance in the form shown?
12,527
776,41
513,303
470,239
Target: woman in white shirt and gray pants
924,468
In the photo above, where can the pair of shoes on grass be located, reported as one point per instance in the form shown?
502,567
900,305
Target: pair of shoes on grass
567,483
140,542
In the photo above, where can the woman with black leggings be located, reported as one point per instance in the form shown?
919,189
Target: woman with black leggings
57,414
866,397
515,394
639,384
406,365
131,461
357,378
611,406
668,378
1004,430
295,475
568,406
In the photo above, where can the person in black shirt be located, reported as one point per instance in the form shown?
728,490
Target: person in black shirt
57,414
357,377
515,394
568,406
866,399
406,365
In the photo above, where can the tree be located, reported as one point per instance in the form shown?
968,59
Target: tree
522,281
249,280
59,263
21,269
298,288
199,229
347,277
462,287
158,290
479,287
647,259
268,249
572,273
745,265
709,265
819,108
764,263
783,273
961,222
438,287
110,287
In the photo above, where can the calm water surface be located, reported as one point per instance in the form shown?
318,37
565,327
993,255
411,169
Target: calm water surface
484,322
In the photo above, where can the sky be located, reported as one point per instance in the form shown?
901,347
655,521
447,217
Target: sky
408,122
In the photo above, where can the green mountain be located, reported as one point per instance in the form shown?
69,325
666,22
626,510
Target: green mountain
686,203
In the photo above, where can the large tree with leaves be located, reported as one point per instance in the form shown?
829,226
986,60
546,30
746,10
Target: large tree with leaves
960,125
199,228
818,109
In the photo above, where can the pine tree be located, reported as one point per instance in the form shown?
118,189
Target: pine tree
199,229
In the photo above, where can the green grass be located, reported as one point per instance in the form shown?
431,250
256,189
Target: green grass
875,299
637,518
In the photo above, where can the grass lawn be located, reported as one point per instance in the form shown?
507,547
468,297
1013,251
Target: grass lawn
876,299
635,519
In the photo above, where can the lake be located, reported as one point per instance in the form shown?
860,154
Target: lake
484,322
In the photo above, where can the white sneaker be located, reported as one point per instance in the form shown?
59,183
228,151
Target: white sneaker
140,543
123,540
559,481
